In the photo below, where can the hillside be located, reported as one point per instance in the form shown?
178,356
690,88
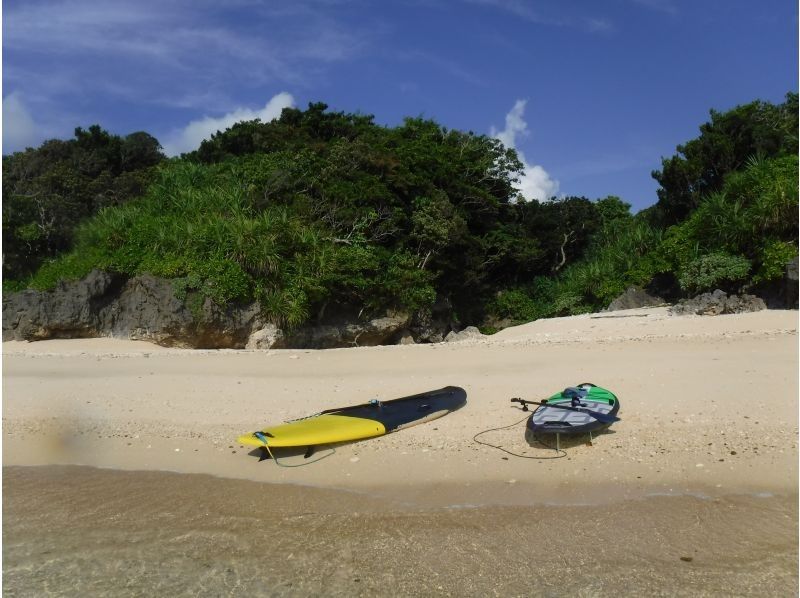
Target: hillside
323,218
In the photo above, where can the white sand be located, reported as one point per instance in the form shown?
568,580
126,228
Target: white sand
709,405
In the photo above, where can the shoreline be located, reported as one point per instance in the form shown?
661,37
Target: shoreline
389,499
437,496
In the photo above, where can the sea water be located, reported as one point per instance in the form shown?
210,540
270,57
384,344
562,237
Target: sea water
80,531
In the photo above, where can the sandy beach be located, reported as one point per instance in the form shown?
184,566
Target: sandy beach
694,492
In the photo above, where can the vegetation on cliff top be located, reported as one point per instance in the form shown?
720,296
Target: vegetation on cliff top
320,211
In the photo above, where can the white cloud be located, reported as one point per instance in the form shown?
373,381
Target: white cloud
535,182
189,138
19,129
194,54
515,125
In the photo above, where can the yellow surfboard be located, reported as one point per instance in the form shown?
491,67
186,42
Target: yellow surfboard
321,429
359,421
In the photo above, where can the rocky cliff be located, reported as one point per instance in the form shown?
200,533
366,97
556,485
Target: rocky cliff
146,308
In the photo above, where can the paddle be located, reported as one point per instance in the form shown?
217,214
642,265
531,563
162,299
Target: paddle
601,417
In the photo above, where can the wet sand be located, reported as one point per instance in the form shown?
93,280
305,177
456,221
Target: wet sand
79,531
703,465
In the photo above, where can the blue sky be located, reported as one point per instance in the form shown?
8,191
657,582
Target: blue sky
592,93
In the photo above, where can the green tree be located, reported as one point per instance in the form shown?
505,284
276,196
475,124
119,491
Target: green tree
612,209
725,144
49,191
753,216
562,227
714,270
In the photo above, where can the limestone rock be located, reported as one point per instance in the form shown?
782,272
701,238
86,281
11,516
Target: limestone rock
141,308
406,338
377,331
265,338
469,333
718,303
792,285
632,298
147,308
431,325
71,310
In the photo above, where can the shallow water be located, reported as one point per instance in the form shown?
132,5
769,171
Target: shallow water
80,531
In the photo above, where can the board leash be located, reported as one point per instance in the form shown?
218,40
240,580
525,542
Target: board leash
561,453
277,462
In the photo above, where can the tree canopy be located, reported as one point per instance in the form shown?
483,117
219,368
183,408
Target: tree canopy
758,129
48,191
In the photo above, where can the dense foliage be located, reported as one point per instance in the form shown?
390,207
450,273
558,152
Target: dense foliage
48,191
726,143
319,212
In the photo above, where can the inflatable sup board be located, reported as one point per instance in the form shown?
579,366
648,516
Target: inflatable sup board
367,420
582,401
